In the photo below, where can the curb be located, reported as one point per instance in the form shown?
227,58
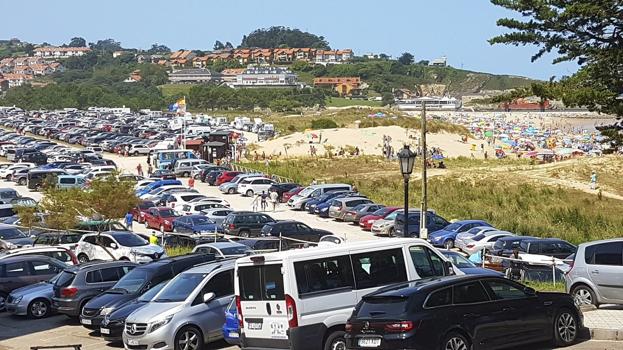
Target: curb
606,334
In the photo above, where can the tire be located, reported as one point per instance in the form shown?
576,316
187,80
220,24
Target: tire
135,153
21,182
8,177
566,328
186,174
244,234
390,232
82,258
335,341
3,297
455,341
188,338
584,295
249,193
231,191
448,244
39,308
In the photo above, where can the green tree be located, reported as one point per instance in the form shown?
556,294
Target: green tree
106,45
77,42
158,49
387,99
283,37
218,45
29,49
406,58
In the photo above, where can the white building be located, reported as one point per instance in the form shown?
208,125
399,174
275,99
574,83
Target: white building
60,52
439,62
266,77
192,75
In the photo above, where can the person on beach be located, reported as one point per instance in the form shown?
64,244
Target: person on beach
191,182
593,180
150,169
255,202
139,169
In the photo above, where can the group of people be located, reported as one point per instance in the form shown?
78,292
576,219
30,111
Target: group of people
262,199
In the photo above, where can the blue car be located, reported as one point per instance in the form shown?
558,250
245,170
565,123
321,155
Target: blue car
468,267
195,224
154,185
231,329
310,206
447,235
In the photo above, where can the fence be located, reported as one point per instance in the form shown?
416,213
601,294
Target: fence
278,178
522,263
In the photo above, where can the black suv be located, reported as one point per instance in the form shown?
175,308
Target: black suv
295,230
553,247
78,284
134,284
245,223
282,188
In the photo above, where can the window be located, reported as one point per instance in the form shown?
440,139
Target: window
504,290
302,228
440,298
109,275
15,269
67,180
426,263
469,293
608,254
222,284
90,239
261,282
378,268
94,277
323,274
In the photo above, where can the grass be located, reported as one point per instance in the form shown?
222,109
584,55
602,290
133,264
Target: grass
175,251
608,169
173,90
546,286
502,197
346,102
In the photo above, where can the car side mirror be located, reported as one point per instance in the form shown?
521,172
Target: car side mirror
530,291
449,268
113,245
208,297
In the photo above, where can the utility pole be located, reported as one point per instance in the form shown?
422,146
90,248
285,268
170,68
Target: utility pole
423,209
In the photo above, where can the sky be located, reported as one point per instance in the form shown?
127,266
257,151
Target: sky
458,29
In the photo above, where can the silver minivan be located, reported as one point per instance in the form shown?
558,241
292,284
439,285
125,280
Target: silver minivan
184,167
339,206
596,274
187,313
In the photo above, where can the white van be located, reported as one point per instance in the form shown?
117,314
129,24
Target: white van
314,191
302,298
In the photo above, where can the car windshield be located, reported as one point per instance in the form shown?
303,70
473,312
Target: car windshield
474,231
11,233
132,281
145,205
392,216
201,221
166,213
306,192
235,250
130,240
180,287
150,294
459,260
382,212
452,227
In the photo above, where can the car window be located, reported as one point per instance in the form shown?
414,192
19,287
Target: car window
15,269
261,282
222,284
94,277
426,263
440,298
109,275
302,228
605,254
504,290
44,268
469,293
323,274
378,268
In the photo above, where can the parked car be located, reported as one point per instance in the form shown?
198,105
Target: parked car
195,224
299,200
23,270
67,240
353,215
183,167
292,232
117,245
385,226
505,245
113,323
447,235
264,244
245,223
217,214
282,188
33,301
225,176
14,237
463,237
70,181
462,312
468,267
285,197
7,195
434,222
551,247
485,241
340,206
231,327
160,218
197,208
596,274
138,212
61,254
187,313
366,221
223,249
254,185
134,284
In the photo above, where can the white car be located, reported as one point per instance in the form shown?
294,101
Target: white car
135,149
211,199
180,198
8,172
384,227
57,252
462,238
117,245
143,183
223,249
160,190
484,241
197,208
217,215
250,186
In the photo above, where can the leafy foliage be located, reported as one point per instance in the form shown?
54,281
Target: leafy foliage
106,45
323,124
217,97
77,42
406,58
158,49
283,37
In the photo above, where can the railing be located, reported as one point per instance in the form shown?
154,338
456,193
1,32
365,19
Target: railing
278,178
553,263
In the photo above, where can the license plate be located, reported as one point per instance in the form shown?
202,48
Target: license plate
132,342
369,342
255,326
234,335
83,321
104,330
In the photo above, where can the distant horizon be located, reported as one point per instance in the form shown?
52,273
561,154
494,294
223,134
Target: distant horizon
362,27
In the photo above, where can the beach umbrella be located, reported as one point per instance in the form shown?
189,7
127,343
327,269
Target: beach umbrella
437,157
488,133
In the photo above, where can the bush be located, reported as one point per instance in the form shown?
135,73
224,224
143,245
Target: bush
323,124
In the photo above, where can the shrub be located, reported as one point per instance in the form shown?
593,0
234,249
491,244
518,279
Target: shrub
323,123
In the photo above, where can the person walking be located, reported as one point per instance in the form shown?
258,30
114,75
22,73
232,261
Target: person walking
150,169
129,220
139,169
191,182
593,180
153,239
149,157
255,202
274,198
263,202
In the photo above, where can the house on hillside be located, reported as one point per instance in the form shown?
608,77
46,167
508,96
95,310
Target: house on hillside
134,76
60,52
57,67
25,70
41,69
15,80
265,76
193,75
181,58
229,75
439,62
345,86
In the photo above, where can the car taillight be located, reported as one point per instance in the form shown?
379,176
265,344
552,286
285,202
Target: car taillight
348,327
291,311
403,326
232,226
69,292
239,312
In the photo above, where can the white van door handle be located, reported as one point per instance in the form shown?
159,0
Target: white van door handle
595,272
268,309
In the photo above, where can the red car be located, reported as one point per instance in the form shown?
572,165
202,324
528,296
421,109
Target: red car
285,197
160,218
366,221
226,176
139,211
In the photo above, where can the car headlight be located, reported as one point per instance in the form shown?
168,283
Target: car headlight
18,299
162,322
105,311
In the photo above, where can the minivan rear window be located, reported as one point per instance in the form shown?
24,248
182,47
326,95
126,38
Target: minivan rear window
381,307
261,283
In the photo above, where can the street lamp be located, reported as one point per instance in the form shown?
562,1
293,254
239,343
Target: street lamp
407,160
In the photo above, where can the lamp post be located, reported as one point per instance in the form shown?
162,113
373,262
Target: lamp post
407,160
424,203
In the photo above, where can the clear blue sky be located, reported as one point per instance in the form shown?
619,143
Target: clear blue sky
458,29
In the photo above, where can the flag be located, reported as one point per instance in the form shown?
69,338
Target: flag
181,105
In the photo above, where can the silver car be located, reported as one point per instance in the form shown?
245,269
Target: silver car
187,313
217,215
33,301
596,276
484,241
465,238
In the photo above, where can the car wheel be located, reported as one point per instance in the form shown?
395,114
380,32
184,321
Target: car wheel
82,258
584,295
136,153
244,234
448,244
390,233
186,174
231,191
188,338
249,193
3,297
22,182
455,341
335,341
38,308
566,328
124,258
8,177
